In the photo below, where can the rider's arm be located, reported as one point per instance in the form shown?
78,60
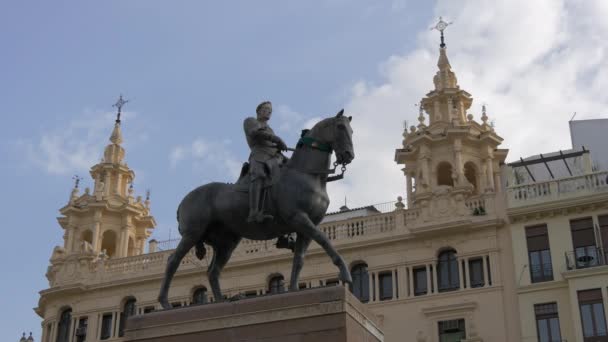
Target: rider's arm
257,132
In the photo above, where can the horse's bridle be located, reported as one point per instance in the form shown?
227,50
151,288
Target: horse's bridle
323,147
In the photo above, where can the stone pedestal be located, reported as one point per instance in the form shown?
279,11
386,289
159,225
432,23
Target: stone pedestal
311,315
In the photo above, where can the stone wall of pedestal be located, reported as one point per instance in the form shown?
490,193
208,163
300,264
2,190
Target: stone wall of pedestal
329,314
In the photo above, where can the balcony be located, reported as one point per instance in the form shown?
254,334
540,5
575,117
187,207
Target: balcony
585,257
557,189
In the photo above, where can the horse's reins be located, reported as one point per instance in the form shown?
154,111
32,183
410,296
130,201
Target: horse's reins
324,147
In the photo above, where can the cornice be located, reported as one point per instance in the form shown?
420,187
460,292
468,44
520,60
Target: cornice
558,207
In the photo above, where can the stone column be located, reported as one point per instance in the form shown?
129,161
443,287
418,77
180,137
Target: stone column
123,244
486,282
117,187
67,238
106,181
458,161
429,286
490,173
97,231
497,182
408,181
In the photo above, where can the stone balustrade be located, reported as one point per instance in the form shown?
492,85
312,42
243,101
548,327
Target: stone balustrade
558,189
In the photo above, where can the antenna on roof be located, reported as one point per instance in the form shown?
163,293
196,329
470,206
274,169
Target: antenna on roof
572,118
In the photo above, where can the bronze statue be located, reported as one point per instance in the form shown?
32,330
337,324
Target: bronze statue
217,214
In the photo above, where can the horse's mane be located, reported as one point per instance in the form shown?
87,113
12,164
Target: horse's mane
320,125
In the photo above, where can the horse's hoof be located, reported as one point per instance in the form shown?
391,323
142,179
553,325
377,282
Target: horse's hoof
164,303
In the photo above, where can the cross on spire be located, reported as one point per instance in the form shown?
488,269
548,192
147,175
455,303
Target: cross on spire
119,104
441,26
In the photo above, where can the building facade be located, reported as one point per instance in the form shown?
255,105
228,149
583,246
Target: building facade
559,229
444,266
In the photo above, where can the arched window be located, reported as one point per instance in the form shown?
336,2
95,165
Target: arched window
447,271
470,173
108,243
276,284
128,310
199,296
63,328
360,286
444,174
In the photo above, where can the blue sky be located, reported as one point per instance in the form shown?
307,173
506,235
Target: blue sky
194,70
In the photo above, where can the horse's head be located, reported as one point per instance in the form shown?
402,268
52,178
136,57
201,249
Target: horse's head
337,133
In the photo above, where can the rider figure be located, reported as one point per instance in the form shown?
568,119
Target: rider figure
264,159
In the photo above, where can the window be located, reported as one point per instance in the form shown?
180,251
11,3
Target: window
592,315
251,294
603,221
148,309
420,283
476,272
547,322
106,326
360,286
444,174
199,296
539,254
81,330
128,310
176,304
583,240
385,285
276,285
63,328
452,331
447,271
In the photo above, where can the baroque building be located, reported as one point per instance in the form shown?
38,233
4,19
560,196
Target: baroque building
458,261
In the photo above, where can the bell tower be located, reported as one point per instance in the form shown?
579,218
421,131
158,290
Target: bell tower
109,221
454,157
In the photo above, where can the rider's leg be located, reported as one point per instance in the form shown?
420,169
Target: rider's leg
254,199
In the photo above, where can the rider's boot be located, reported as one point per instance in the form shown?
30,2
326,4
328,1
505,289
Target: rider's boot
261,217
256,192
254,200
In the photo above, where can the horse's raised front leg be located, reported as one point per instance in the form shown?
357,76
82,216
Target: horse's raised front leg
173,262
302,243
304,226
221,255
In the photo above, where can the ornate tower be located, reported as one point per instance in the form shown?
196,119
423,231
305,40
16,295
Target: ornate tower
454,157
110,221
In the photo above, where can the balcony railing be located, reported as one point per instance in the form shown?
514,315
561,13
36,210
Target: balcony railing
586,257
526,194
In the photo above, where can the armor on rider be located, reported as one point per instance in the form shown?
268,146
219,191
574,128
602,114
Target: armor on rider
264,159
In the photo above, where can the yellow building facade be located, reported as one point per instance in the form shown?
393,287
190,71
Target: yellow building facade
444,266
559,229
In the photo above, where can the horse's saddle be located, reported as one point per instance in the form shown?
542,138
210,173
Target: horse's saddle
273,168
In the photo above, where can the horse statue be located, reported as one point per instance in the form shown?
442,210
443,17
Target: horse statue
216,213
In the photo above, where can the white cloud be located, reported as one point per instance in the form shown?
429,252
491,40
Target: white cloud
75,147
533,63
204,155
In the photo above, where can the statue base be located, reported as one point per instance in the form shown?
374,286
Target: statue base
310,315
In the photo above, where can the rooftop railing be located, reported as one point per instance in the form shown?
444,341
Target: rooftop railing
553,190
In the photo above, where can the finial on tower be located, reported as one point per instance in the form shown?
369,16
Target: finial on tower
484,116
119,104
441,26
76,179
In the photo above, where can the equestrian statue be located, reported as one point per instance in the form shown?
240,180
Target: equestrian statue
273,198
